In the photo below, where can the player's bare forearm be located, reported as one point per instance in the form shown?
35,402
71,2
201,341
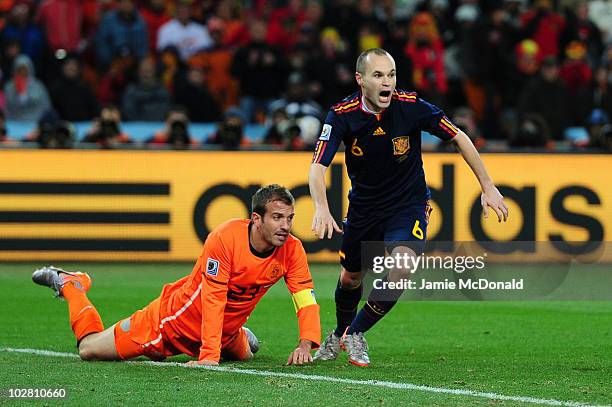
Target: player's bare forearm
472,158
316,182
490,197
323,224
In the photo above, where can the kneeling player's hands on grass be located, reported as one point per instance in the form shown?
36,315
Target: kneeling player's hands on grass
323,223
301,355
491,198
202,363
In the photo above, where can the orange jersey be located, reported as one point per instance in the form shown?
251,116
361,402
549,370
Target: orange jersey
203,311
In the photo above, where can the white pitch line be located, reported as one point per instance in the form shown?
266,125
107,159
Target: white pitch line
319,378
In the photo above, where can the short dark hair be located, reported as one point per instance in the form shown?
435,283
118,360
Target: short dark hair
360,66
270,193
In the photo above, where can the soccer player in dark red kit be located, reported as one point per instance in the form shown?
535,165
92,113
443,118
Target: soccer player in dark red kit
381,129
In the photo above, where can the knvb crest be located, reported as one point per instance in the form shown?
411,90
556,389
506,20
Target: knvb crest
276,272
401,145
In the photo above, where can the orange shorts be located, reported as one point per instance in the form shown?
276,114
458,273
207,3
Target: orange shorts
140,335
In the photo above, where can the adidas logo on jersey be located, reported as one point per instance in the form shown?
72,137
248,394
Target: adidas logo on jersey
379,132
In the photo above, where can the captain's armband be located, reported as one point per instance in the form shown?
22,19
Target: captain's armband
303,299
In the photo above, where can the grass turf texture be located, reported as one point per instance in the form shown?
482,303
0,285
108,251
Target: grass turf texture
560,350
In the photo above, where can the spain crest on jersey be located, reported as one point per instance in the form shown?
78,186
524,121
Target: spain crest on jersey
401,145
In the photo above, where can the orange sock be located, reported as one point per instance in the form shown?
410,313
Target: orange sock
84,318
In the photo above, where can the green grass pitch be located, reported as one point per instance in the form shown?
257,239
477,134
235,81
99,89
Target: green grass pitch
554,351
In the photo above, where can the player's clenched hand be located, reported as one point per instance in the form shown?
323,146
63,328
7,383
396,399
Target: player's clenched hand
301,355
202,363
323,224
491,198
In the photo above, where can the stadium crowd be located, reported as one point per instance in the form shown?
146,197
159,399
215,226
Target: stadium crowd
522,73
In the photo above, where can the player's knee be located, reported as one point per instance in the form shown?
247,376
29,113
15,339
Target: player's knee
247,356
87,352
403,272
90,348
349,280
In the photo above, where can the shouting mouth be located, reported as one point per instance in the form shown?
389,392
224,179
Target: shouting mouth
384,96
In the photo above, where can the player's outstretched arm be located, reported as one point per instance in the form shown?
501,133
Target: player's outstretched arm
323,223
490,197
301,355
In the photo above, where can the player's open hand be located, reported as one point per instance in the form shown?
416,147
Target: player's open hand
323,224
301,355
491,198
202,363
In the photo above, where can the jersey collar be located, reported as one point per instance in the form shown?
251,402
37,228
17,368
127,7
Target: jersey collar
365,109
254,252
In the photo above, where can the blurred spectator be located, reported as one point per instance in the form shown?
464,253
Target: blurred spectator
52,132
295,142
465,57
193,93
235,30
230,134
297,102
279,122
390,10
426,51
92,11
63,23
115,80
441,11
544,25
292,134
106,129
597,125
314,14
155,16
4,136
176,131
465,120
72,97
577,76
148,99
122,31
527,61
600,12
285,24
391,19
216,63
181,32
369,37
532,131
170,68
600,92
302,56
261,70
10,51
26,97
341,14
20,28
605,138
334,71
548,97
581,29
495,39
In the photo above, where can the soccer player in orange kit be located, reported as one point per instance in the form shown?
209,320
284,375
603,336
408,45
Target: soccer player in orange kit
202,315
